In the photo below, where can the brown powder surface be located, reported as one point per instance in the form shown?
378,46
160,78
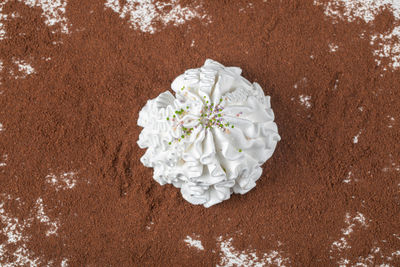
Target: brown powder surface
74,193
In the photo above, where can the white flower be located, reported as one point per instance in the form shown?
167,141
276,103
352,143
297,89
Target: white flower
211,139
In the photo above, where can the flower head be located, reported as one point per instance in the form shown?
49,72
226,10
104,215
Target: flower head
221,133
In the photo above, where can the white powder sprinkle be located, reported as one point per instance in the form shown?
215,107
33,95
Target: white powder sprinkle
53,11
232,257
63,181
3,17
388,44
348,177
64,263
24,67
333,47
393,164
148,227
340,245
305,100
363,9
194,243
391,121
16,237
14,229
142,14
355,138
3,160
43,218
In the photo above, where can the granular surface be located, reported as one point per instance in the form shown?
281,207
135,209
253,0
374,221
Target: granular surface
74,75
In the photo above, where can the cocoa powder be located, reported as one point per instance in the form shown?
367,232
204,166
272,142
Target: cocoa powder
68,139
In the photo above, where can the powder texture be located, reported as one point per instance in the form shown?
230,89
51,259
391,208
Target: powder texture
75,74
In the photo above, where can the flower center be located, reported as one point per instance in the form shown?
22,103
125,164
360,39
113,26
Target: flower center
211,116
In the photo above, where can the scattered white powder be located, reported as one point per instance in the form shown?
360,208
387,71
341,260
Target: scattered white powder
393,165
348,177
342,244
143,14
355,138
301,83
148,227
2,18
388,45
53,11
335,85
63,181
14,229
1,63
3,160
231,257
43,218
333,47
24,67
64,263
376,253
194,243
395,254
391,121
366,10
305,100
248,6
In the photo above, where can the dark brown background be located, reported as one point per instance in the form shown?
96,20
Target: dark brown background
78,113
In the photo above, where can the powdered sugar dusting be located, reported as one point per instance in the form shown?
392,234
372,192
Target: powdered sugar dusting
355,138
348,178
53,11
2,18
387,44
3,160
391,121
232,257
333,47
63,181
193,242
14,231
24,69
358,220
143,14
363,9
1,62
43,218
392,164
305,100
64,263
